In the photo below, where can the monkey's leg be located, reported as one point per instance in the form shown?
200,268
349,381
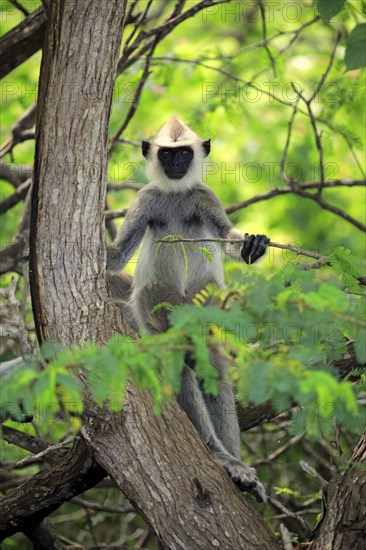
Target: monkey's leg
222,410
143,301
192,402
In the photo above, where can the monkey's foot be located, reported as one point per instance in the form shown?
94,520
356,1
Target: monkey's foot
242,475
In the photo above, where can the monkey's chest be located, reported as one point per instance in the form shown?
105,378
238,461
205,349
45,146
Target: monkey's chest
189,226
182,267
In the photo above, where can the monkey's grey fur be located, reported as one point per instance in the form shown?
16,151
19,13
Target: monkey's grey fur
183,206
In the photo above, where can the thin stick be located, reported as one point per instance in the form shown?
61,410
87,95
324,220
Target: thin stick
295,249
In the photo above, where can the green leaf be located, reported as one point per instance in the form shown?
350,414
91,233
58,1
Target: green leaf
258,387
355,56
185,261
206,253
329,8
168,305
166,238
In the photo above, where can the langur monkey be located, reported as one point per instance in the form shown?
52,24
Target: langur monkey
176,202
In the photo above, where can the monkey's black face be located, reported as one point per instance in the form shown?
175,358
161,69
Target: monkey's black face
175,161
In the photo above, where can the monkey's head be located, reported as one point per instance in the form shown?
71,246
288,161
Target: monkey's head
175,156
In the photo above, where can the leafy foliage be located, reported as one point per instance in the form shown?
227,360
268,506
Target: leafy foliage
285,340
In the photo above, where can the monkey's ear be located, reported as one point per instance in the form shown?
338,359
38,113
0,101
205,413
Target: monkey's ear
206,146
145,147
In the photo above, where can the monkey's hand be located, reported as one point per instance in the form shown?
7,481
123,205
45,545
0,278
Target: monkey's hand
254,247
242,475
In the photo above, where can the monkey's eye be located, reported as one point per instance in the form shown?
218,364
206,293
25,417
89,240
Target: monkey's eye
165,153
185,152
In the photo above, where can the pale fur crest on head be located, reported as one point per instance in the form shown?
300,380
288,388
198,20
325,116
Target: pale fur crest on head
175,133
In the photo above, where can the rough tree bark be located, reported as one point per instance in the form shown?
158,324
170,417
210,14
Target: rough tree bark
150,458
344,522
67,270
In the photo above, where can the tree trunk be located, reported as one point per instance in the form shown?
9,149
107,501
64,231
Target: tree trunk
165,470
344,522
67,274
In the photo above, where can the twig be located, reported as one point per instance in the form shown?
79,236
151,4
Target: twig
287,144
218,240
122,186
162,30
21,130
129,142
9,145
13,253
265,40
297,33
137,96
286,537
102,507
113,214
308,102
139,22
317,135
16,197
228,75
20,7
330,207
273,96
275,454
310,470
288,512
284,190
324,77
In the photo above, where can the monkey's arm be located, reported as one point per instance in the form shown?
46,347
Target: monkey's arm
130,235
251,250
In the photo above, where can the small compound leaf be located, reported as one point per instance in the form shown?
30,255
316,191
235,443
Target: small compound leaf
206,253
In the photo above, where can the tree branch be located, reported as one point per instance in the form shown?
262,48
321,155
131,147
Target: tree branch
218,240
16,174
344,521
16,197
27,505
23,41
